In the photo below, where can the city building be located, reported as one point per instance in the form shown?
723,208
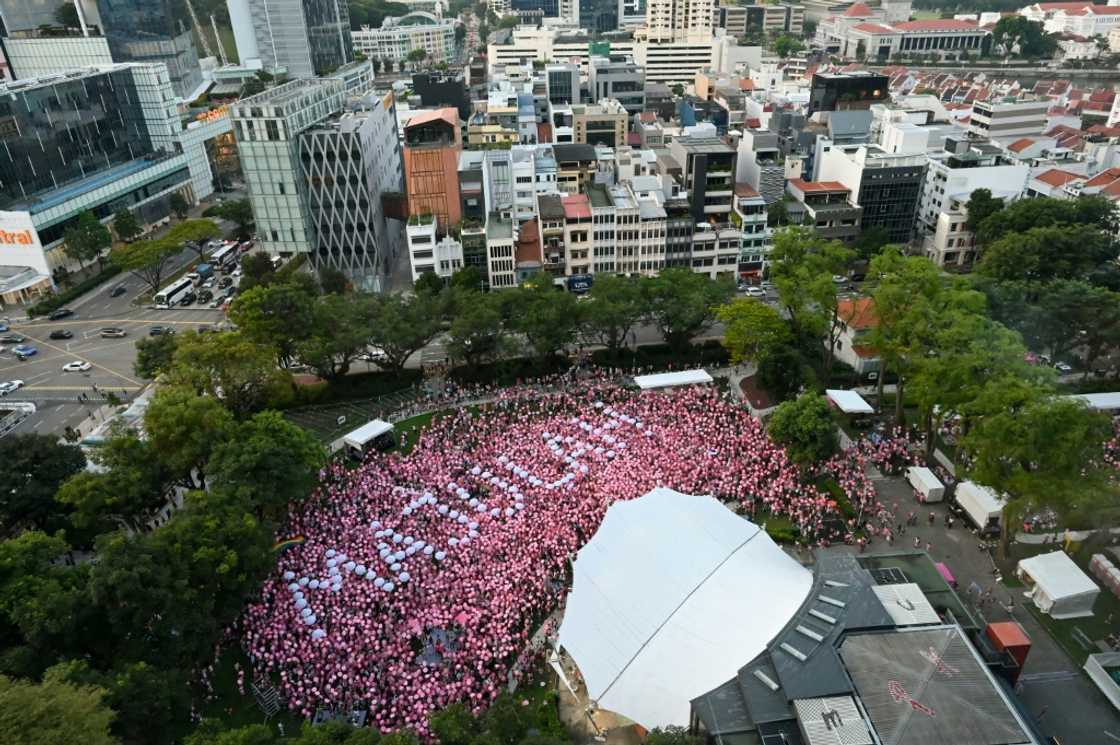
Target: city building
562,83
34,54
268,128
847,91
18,16
761,165
706,179
432,144
620,78
603,123
888,186
1006,120
679,20
123,147
750,215
744,20
430,249
962,167
348,161
297,38
399,37
599,16
154,31
439,89
1087,21
500,252
951,245
946,38
829,208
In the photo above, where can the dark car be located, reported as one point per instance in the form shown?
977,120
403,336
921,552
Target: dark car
118,291
62,334
12,339
54,315
205,296
188,299
225,282
160,331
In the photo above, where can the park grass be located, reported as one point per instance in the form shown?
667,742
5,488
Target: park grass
234,709
1066,632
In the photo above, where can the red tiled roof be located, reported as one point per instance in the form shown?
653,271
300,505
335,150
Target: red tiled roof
1112,191
858,10
874,28
447,114
1057,177
937,24
633,139
576,206
1103,178
746,84
1065,6
647,116
858,313
1102,95
754,122
812,187
1100,129
1020,145
1096,10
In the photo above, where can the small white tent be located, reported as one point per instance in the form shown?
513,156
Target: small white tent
849,402
668,598
360,438
1058,586
926,483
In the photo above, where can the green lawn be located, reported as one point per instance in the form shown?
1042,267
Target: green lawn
235,710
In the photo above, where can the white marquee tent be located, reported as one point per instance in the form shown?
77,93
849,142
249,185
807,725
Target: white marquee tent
672,379
669,598
1058,586
849,402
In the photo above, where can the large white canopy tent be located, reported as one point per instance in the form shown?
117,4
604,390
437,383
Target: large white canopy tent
849,402
672,379
668,598
1058,586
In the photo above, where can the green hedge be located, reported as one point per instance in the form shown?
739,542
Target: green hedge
54,302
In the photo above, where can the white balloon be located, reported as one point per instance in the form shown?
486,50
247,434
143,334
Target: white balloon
330,553
294,587
396,567
289,575
443,509
303,581
388,587
305,612
310,620
428,550
360,570
440,555
314,584
379,582
453,541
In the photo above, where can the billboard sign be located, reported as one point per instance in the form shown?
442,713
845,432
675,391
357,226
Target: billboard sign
580,282
20,244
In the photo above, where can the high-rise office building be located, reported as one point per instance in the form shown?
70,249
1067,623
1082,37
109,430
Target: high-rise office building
348,161
31,15
618,77
154,31
598,16
298,38
95,140
432,144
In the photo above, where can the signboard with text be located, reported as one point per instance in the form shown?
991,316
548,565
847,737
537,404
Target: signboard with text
20,244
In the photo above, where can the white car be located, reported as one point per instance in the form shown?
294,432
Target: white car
756,292
1063,368
11,385
839,279
76,366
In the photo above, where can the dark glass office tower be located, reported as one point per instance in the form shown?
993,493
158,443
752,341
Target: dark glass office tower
153,31
51,135
598,16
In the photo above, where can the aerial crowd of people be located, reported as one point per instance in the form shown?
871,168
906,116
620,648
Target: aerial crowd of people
421,577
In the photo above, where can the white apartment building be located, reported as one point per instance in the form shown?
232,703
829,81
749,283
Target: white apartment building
1087,20
952,175
951,244
500,262
679,20
428,253
1008,120
399,37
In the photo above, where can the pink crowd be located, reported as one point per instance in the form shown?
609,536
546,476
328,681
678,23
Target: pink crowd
422,577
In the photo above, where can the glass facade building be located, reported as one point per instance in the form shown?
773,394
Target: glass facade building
302,38
154,31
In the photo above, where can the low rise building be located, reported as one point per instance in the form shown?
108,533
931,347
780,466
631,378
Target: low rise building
432,144
399,37
603,123
618,77
888,186
829,208
750,216
962,167
1008,120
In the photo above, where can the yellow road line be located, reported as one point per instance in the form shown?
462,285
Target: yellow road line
99,367
105,321
79,387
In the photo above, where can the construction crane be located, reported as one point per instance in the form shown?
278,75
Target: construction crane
198,30
218,41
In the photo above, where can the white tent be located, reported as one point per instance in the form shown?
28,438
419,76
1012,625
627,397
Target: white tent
367,433
1058,586
672,379
849,402
1100,401
669,597
983,506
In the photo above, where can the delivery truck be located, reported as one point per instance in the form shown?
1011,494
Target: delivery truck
982,506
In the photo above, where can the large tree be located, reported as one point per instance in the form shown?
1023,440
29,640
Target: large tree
546,317
41,598
147,260
178,204
230,367
752,330
981,205
278,316
338,334
1043,253
126,225
87,240
153,355
401,326
612,311
183,429
804,426
1021,216
53,712
682,303
34,466
477,332
1018,36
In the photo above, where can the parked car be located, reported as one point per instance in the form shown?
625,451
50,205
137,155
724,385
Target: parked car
188,299
112,332
1063,368
225,282
4,327
118,291
217,301
76,366
160,331
23,351
756,292
12,339
205,296
62,334
11,385
839,279
58,313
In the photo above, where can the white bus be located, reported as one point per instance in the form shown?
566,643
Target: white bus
168,296
225,257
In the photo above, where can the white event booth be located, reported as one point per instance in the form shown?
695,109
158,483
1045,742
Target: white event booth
1058,586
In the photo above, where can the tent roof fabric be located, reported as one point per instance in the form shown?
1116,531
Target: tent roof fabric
849,402
669,380
1100,401
368,431
983,495
1058,575
668,597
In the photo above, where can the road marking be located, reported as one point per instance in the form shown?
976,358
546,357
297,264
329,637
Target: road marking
125,321
94,364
